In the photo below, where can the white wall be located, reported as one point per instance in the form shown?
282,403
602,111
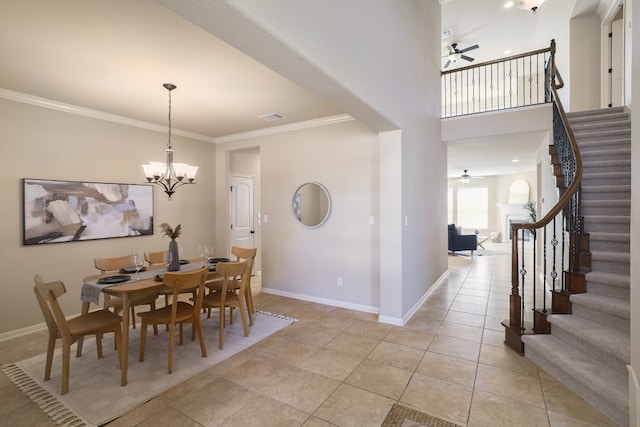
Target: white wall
49,144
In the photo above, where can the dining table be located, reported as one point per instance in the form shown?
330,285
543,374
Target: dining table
128,286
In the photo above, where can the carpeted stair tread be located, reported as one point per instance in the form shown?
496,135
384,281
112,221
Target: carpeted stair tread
610,237
613,308
612,279
612,153
599,385
593,165
609,284
606,345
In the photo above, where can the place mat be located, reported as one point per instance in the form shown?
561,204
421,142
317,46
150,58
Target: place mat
401,416
95,396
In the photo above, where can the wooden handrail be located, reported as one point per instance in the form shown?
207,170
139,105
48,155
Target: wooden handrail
497,61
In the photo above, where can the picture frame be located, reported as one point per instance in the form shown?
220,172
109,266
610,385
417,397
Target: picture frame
56,211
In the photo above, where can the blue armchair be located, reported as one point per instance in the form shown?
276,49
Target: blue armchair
461,242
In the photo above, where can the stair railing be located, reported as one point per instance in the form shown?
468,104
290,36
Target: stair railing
512,82
545,269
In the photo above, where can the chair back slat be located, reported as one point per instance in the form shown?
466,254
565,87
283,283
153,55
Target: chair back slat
243,253
47,295
155,257
186,280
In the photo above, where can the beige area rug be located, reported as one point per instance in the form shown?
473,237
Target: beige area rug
400,416
96,397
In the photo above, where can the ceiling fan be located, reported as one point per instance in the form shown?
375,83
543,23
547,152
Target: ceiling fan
455,54
465,178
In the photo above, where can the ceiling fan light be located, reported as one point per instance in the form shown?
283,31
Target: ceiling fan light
465,180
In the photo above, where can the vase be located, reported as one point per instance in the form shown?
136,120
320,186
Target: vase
174,264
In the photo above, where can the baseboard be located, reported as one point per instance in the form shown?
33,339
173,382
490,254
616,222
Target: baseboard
634,398
396,321
326,301
401,322
23,331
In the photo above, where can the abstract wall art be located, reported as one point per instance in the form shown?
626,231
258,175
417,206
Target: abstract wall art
67,211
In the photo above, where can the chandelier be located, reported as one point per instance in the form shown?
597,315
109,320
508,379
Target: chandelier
169,175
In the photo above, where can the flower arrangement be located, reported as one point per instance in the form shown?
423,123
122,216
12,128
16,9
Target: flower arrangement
172,233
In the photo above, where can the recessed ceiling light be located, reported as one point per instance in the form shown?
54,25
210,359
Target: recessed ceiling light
507,52
508,5
515,160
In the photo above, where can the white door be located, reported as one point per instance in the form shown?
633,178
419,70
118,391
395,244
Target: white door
242,227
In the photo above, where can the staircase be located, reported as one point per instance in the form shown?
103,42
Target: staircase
588,350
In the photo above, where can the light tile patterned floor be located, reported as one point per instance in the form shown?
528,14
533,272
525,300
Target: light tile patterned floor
341,367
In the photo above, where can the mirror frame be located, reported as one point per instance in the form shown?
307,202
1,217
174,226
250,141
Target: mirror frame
329,205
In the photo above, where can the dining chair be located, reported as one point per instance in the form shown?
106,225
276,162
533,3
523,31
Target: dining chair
241,254
229,296
178,312
156,259
71,330
113,265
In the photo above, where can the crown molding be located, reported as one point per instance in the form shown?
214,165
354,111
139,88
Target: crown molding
95,114
285,128
100,115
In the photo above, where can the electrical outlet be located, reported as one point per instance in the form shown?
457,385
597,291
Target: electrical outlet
339,281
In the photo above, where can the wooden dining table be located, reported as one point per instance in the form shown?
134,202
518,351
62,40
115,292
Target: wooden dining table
139,284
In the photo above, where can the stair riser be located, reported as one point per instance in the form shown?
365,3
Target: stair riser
602,135
595,144
609,246
594,181
610,267
609,291
598,115
602,227
589,170
604,210
607,359
597,155
600,317
591,194
603,402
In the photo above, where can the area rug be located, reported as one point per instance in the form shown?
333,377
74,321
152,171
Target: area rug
95,396
401,416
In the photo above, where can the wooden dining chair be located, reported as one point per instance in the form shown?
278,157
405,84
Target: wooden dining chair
228,295
113,265
178,312
241,254
71,330
155,259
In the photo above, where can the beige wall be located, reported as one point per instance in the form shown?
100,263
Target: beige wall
385,74
303,262
585,62
49,144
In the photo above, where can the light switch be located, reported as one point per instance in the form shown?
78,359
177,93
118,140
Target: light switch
372,220
265,218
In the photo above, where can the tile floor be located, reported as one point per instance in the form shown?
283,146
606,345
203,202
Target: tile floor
340,367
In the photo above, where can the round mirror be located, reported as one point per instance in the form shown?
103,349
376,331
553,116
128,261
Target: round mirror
311,204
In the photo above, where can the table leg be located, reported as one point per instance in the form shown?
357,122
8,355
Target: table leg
124,346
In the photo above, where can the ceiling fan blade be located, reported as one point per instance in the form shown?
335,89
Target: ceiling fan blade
447,64
468,58
467,49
